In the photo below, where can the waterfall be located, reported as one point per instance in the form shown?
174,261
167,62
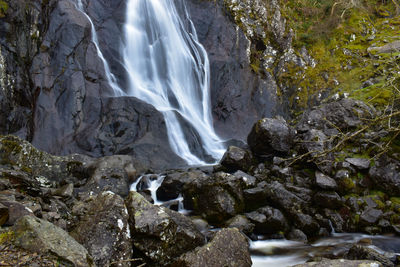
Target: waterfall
169,69
109,76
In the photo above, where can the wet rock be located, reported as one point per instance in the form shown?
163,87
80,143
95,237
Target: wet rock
270,135
306,223
370,216
283,198
325,182
236,158
343,114
329,200
159,233
297,235
40,236
216,198
3,214
15,211
255,197
228,248
104,230
340,263
268,220
359,163
111,173
249,181
386,175
242,223
358,252
173,183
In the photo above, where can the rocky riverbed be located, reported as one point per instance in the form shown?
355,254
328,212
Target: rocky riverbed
297,181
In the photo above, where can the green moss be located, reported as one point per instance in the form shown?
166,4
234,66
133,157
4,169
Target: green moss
3,8
6,236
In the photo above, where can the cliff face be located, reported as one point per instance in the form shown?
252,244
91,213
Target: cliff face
55,92
266,58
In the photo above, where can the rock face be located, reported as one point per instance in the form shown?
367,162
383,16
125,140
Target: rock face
239,96
104,230
270,136
160,234
56,94
228,248
41,236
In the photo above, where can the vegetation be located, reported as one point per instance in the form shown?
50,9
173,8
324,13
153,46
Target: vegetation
3,8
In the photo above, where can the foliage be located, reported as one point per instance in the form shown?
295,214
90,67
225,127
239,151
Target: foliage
3,8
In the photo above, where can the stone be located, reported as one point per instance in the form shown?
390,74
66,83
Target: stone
15,211
268,220
228,248
297,235
236,158
306,223
64,191
248,180
40,236
340,263
392,47
104,230
358,252
173,183
370,216
216,198
270,135
255,197
325,182
386,175
159,233
329,200
283,198
241,223
3,214
359,163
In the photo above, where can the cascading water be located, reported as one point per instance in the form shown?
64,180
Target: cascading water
109,76
169,69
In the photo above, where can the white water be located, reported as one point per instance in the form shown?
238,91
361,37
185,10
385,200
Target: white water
169,69
109,76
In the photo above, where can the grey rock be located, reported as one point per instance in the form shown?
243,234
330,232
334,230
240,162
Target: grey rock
159,233
270,135
340,263
217,197
325,182
249,181
359,163
370,216
236,158
242,223
297,235
15,211
40,236
228,248
386,176
329,200
104,230
268,220
3,214
255,197
358,252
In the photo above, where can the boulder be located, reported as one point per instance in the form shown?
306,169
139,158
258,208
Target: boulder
228,248
358,252
40,236
340,263
3,214
217,197
329,200
370,216
386,175
270,136
283,198
173,183
236,158
242,223
255,197
159,233
104,230
268,220
297,235
15,211
359,163
249,181
325,182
